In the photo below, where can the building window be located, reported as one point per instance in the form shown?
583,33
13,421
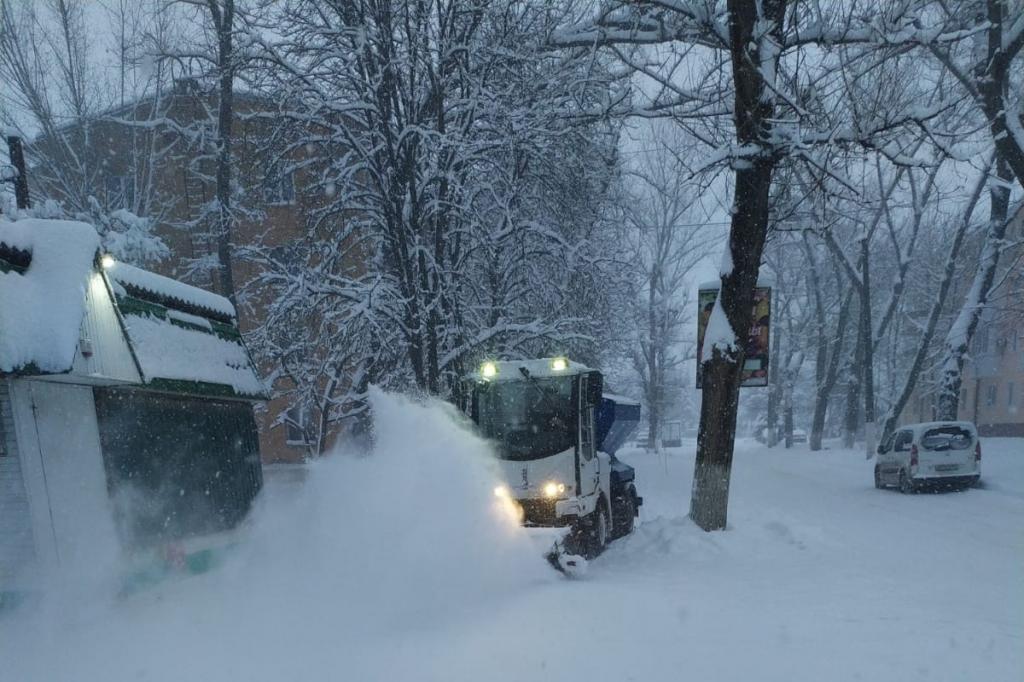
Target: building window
279,186
296,425
990,396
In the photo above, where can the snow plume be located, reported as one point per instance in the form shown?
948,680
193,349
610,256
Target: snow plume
325,582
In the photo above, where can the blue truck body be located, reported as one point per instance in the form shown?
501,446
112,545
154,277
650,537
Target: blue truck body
616,419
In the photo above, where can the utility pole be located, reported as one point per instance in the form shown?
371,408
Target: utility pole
21,179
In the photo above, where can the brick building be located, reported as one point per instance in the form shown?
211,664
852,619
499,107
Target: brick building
155,171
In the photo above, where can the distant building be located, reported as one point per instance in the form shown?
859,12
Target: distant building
121,163
992,390
992,394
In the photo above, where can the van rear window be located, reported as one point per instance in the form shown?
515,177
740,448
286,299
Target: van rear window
947,438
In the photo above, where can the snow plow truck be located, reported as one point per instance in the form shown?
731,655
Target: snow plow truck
556,433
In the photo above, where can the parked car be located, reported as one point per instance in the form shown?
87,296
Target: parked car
933,453
799,436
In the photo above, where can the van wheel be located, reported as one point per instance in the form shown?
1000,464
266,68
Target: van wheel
878,478
905,484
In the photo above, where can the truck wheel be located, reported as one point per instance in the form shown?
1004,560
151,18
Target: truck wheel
878,478
597,535
905,484
625,513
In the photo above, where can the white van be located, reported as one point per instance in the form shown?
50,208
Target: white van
936,453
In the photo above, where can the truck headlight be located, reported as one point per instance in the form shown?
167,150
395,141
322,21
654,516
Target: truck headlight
503,492
553,489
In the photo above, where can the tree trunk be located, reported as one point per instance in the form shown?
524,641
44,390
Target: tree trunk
653,415
821,349
752,112
824,390
17,157
774,387
867,348
851,418
993,88
223,19
958,340
653,371
787,416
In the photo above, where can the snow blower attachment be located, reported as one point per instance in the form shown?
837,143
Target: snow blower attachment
556,435
562,560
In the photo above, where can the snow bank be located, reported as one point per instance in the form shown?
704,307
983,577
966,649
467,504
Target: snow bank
335,581
168,351
41,309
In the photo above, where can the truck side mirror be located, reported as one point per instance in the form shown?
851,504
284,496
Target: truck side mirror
595,388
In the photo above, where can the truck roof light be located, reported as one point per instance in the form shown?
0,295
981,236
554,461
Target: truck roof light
559,364
488,370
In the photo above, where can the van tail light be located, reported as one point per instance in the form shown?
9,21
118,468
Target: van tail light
913,455
977,451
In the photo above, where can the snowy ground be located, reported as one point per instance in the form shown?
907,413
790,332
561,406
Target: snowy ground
820,577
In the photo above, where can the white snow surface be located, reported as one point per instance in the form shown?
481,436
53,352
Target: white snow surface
41,309
399,567
125,274
719,333
725,269
167,351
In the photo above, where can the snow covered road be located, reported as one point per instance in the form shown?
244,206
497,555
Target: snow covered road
820,577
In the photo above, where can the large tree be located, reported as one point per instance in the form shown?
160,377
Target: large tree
463,191
763,65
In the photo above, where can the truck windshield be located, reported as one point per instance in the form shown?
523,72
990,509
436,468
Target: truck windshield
528,419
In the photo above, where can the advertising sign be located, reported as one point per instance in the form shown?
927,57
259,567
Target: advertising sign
755,357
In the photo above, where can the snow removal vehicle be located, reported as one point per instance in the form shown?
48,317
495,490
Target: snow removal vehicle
556,434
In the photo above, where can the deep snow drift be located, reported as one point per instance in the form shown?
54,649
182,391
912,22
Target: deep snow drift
379,569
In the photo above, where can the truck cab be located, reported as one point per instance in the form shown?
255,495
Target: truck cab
548,420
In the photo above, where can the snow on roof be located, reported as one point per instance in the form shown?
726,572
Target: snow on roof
172,352
41,306
170,290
